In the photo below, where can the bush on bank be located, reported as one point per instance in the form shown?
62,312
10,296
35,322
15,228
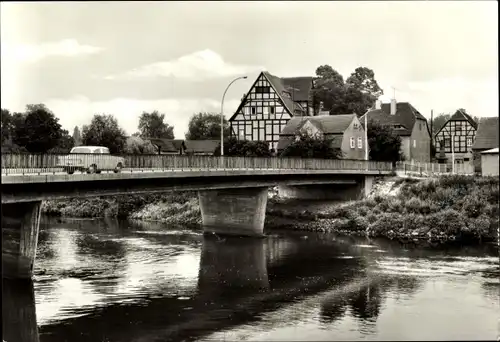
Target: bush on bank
462,208
171,205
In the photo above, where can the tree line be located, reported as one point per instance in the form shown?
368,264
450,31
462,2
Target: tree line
37,130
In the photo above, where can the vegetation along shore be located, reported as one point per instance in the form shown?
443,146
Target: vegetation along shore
449,208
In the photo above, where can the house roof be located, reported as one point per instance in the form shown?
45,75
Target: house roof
300,87
460,116
487,134
167,145
201,146
328,124
286,140
492,151
279,87
406,115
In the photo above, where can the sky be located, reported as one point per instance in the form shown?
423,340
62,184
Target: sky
123,58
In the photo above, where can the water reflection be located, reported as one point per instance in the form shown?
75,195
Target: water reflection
231,266
18,311
129,281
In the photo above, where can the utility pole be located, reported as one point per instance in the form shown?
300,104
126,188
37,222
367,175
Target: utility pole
432,135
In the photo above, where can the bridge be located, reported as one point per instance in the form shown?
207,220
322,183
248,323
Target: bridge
232,191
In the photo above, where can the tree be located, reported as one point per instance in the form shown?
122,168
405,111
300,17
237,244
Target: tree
356,95
244,148
104,131
7,125
384,144
136,145
206,126
152,125
38,130
363,79
439,121
327,74
311,147
65,144
77,137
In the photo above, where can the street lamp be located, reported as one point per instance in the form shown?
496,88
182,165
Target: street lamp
222,115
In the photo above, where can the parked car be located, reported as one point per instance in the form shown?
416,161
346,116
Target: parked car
92,159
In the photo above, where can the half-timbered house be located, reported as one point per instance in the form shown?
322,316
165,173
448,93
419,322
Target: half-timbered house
457,135
271,101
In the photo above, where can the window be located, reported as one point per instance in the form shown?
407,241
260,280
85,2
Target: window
469,141
414,143
353,144
271,109
360,142
254,110
419,126
262,90
355,126
447,142
458,128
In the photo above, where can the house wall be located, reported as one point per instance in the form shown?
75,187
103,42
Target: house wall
405,147
489,164
465,135
356,131
262,117
420,143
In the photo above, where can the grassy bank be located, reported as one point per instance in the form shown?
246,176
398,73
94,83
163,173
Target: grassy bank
457,208
448,208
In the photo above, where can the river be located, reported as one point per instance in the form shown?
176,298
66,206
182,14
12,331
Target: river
108,280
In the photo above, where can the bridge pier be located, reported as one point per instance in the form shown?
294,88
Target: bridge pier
234,211
20,225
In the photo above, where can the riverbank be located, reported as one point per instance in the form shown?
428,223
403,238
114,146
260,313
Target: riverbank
449,208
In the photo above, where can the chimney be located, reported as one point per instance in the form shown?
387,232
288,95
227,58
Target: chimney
393,107
378,104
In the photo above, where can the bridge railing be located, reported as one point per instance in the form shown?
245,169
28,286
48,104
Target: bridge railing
53,163
433,169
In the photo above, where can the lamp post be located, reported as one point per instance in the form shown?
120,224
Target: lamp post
222,115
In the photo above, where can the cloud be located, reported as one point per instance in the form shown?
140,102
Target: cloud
79,110
33,53
200,65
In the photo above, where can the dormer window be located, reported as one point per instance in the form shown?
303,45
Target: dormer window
286,94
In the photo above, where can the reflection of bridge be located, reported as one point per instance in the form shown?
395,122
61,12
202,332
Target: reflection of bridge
232,191
236,284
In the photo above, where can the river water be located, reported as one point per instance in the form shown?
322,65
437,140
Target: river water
108,280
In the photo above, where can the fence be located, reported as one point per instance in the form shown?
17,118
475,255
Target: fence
433,169
52,163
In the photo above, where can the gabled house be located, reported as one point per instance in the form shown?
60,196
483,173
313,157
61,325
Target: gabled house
344,131
201,147
457,135
486,139
408,123
168,146
271,101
